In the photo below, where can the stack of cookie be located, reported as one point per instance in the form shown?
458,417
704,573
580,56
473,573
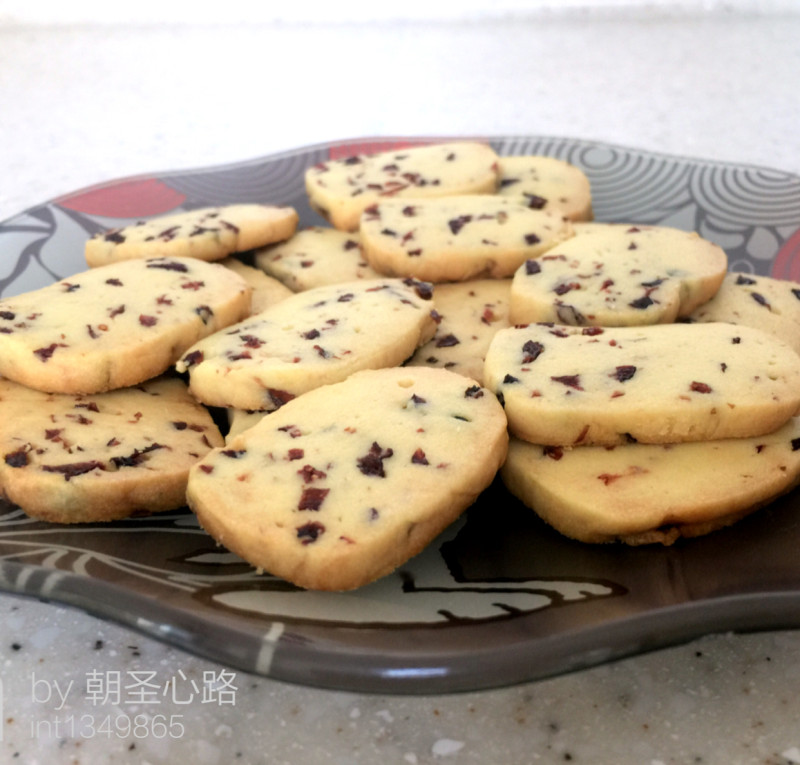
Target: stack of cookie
460,316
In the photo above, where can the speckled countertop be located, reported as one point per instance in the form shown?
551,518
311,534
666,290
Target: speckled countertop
81,105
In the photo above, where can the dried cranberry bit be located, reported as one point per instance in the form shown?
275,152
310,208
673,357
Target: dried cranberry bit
535,202
193,285
114,282
147,321
760,299
168,265
346,298
419,458
531,350
279,397
532,267
372,462
700,387
18,458
553,452
456,224
292,430
474,391
571,381
308,472
43,354
563,289
74,469
114,236
641,303
388,232
193,358
531,239
137,457
310,532
448,341
351,244
796,293
592,331
207,468
624,372
312,499
112,312
510,380
204,312
233,454
417,400
742,280
795,444
736,340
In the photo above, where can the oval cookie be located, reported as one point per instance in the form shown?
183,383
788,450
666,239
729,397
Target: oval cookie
457,238
547,182
340,189
771,305
116,325
80,459
651,493
209,233
316,257
564,386
310,339
614,276
347,482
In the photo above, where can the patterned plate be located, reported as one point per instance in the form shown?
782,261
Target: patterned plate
499,598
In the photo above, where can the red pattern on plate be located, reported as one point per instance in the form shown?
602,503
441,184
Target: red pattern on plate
130,199
342,151
787,262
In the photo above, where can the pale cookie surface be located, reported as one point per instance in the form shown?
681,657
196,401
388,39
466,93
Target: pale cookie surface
653,493
468,316
772,305
667,383
310,339
209,233
341,189
344,484
79,459
547,182
458,238
116,325
267,291
316,257
615,276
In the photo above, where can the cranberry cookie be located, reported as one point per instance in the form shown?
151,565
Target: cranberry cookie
80,459
345,483
313,338
116,325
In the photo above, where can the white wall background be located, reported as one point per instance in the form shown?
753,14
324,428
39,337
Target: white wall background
59,12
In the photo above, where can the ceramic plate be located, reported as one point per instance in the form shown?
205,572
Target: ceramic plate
499,598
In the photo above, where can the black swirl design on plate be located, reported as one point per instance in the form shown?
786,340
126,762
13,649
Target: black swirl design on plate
733,196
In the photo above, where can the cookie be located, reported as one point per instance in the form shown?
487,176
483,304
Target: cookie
80,459
266,290
468,316
117,325
547,182
666,383
617,276
653,493
310,339
209,233
316,257
345,483
772,305
458,238
340,189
